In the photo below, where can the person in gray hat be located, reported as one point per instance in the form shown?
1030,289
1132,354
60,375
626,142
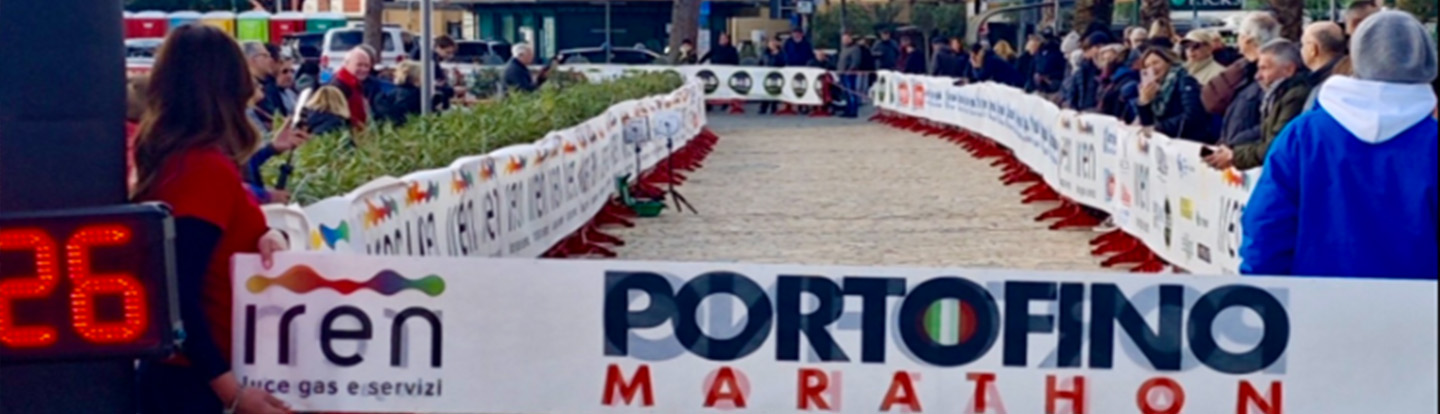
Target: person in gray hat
1349,189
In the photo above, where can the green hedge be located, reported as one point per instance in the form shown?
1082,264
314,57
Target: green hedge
328,166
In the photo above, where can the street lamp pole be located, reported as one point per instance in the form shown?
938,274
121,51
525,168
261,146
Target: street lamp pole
608,41
427,58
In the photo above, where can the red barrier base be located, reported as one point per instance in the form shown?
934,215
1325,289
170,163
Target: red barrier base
820,111
1136,255
591,233
737,107
1025,177
786,109
1109,237
1043,193
1154,265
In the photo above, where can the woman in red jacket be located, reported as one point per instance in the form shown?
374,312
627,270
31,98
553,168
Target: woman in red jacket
190,142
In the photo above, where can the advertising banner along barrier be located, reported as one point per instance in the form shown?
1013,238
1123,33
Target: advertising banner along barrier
517,201
350,333
1156,188
801,86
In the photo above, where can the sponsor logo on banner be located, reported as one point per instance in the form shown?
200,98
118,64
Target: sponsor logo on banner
774,83
1111,144
1187,208
708,78
1109,185
1169,222
1235,178
800,85
918,95
1231,233
1184,166
740,82
1202,252
1162,163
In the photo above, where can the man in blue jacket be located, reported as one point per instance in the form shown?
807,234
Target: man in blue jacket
798,51
1349,189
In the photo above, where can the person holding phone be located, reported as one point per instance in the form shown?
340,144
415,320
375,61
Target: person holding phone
191,140
517,72
1169,99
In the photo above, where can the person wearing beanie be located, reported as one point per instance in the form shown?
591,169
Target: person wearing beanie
1349,188
1082,86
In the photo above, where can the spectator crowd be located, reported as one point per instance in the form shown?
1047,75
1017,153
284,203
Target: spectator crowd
1339,124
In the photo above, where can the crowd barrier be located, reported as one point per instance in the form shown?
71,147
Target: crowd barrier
342,333
517,201
793,85
1156,188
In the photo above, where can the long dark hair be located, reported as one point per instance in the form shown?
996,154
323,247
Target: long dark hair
199,89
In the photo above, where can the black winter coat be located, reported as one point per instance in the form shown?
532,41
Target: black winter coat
1184,116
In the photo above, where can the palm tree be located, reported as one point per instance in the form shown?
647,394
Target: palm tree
1291,15
684,24
374,13
1152,10
1093,11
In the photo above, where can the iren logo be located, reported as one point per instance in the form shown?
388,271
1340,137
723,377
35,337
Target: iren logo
303,279
343,323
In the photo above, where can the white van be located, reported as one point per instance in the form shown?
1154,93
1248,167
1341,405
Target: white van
339,41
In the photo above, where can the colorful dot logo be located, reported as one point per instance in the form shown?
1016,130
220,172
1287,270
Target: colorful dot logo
304,279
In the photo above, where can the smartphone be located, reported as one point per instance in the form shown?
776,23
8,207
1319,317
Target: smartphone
1206,151
297,120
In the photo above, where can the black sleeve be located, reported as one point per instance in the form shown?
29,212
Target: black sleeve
195,243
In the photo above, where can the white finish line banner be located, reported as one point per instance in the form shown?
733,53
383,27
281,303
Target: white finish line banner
348,333
797,85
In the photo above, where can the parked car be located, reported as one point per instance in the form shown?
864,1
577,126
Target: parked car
142,47
337,42
305,47
481,52
619,56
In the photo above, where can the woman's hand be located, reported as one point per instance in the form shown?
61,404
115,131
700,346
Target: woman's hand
273,241
255,401
246,400
289,138
1148,92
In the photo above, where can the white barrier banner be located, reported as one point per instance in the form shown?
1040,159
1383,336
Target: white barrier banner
517,201
1156,188
346,333
721,82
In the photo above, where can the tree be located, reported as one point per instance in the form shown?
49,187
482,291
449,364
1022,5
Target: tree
1291,15
1093,11
684,24
1425,10
1152,10
374,18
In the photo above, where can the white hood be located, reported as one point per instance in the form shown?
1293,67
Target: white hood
1374,111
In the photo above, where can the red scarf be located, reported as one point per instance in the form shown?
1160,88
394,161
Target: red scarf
355,98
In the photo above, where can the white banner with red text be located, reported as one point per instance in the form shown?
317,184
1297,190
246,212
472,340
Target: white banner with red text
353,333
516,201
1157,188
796,85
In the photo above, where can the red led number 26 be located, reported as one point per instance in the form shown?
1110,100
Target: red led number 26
85,287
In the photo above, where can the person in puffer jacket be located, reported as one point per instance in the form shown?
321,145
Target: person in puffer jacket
1349,188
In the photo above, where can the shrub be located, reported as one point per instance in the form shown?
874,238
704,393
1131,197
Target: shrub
330,165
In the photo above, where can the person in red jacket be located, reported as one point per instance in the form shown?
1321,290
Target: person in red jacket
191,140
351,80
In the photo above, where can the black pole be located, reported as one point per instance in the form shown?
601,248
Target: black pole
62,145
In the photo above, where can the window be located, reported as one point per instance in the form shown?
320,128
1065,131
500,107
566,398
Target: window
346,40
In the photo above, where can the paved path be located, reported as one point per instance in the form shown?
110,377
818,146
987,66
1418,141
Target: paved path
830,191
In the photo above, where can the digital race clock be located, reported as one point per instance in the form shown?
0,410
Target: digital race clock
86,284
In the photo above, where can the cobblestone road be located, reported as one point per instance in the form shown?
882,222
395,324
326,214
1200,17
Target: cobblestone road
830,191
